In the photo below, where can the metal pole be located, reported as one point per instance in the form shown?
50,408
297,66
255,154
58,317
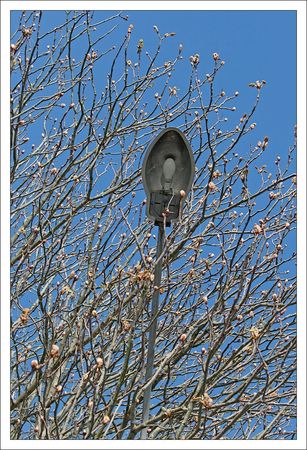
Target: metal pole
152,332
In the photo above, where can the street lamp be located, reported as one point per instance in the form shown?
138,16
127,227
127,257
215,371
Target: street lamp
167,173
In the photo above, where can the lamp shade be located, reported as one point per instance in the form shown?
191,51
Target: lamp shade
168,169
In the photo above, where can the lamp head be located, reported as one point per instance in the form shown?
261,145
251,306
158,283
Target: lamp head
168,170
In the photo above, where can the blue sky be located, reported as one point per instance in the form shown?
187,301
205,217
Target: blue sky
254,44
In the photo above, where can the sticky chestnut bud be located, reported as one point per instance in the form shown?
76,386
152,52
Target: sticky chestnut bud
183,337
34,364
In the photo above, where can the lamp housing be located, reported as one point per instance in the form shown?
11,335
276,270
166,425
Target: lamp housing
167,173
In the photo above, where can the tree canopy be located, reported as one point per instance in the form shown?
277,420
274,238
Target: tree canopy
83,112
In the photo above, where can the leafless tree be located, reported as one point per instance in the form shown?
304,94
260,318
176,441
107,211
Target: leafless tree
83,112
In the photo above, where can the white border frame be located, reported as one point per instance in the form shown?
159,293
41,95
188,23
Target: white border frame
300,7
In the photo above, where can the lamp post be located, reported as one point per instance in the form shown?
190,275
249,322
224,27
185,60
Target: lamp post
167,173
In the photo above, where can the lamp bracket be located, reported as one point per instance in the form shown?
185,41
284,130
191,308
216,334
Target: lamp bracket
164,206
